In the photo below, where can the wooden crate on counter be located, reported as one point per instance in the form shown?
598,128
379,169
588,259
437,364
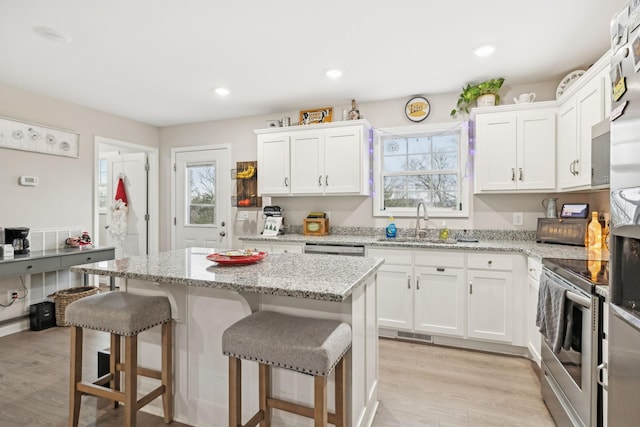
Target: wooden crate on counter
315,226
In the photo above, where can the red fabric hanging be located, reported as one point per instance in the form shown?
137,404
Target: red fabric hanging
120,192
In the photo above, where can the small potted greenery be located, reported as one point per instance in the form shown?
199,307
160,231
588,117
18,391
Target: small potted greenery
471,93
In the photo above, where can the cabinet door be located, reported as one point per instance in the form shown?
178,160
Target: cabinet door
307,153
496,152
343,161
536,150
489,305
567,144
273,164
440,300
395,297
590,107
533,334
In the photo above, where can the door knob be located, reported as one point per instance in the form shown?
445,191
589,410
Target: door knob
222,224
222,233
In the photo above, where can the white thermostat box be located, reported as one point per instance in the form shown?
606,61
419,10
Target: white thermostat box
30,181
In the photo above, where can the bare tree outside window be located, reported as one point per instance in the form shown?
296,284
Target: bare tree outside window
201,179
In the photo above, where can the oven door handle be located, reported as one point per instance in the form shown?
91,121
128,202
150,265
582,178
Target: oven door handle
579,299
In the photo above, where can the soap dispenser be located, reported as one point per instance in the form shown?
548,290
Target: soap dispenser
391,228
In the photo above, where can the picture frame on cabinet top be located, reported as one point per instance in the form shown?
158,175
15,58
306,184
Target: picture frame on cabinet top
318,115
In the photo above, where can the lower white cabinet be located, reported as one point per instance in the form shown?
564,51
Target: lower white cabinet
439,301
454,293
534,269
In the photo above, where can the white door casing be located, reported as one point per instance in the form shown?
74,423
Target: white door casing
201,197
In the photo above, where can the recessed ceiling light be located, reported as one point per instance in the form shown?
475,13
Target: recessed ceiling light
333,73
485,50
52,34
221,91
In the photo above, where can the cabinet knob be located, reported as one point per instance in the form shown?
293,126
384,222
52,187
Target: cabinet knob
490,262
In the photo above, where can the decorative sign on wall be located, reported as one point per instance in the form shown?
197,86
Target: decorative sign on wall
40,139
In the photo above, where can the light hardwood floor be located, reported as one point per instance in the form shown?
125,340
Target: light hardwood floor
420,385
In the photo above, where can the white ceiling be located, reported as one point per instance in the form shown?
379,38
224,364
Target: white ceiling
157,61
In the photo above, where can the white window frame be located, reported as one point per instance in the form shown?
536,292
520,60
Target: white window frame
464,170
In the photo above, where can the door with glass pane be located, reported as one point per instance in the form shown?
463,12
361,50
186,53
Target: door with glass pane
202,201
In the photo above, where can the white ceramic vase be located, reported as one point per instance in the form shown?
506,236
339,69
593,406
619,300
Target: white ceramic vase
488,100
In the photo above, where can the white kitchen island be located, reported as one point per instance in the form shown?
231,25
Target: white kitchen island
206,298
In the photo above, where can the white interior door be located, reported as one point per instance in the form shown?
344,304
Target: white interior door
133,168
202,202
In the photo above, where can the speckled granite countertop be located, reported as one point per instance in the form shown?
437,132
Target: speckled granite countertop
320,277
527,247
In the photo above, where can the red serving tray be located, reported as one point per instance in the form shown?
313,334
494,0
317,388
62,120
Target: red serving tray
237,259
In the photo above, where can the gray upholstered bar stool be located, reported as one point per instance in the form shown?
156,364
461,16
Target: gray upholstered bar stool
122,315
311,346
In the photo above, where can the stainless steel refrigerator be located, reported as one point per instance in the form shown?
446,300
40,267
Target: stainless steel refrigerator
624,318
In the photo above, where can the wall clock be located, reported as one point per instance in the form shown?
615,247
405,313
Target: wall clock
417,109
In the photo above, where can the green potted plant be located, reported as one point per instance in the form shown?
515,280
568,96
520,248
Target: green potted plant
471,93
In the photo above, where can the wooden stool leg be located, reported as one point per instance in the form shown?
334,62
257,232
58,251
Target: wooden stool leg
114,360
167,371
130,380
235,392
75,374
264,394
320,415
341,397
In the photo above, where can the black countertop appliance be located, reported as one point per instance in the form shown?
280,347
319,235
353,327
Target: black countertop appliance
17,237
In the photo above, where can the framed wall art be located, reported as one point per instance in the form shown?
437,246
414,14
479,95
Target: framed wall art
24,136
319,115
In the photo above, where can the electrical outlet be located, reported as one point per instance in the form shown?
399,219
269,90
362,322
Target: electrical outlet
12,294
518,218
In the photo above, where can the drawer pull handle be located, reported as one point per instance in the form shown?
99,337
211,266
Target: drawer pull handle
470,287
418,283
440,269
88,258
409,282
489,262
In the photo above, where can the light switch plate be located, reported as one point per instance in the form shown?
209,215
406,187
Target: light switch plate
518,218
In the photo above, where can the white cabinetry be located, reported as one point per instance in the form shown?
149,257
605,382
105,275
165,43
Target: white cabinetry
605,363
585,104
514,147
429,291
331,158
273,164
421,291
534,268
490,303
395,288
439,292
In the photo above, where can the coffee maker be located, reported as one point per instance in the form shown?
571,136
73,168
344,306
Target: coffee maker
17,237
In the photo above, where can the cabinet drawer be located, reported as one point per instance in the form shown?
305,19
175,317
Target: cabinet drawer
396,256
86,258
29,266
534,267
490,261
433,258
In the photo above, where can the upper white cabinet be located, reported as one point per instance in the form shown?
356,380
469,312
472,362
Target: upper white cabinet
514,147
330,158
584,105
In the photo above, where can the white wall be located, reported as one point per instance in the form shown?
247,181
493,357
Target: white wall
487,212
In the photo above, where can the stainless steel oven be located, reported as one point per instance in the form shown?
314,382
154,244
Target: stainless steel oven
569,375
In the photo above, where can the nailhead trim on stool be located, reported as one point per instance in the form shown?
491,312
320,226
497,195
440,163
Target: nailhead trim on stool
307,345
123,315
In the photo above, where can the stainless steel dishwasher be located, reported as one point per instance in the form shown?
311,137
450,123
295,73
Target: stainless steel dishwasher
334,249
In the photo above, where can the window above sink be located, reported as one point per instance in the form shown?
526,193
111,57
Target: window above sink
425,163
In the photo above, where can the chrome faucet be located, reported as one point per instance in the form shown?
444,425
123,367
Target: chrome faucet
421,231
